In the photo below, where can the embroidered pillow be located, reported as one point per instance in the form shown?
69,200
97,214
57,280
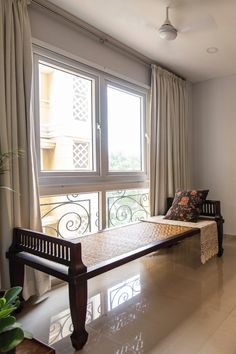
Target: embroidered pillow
187,205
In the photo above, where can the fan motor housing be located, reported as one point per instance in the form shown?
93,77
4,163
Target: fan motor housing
168,32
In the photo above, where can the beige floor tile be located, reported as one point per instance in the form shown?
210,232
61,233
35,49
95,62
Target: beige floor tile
97,343
191,334
223,341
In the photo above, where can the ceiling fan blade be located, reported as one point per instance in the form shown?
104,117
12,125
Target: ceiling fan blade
204,23
152,26
166,3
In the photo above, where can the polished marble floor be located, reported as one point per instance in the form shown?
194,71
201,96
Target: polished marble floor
164,303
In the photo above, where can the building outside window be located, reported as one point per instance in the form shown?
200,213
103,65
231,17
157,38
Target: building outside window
91,146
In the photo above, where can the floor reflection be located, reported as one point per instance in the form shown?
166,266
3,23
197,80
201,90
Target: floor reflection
99,304
168,304
124,291
135,344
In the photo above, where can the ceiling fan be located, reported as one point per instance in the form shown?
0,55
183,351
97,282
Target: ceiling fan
167,31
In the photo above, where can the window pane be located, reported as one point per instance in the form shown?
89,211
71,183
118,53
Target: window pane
66,120
127,206
124,130
70,216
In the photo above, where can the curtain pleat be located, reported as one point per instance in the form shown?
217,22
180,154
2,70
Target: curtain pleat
21,207
168,139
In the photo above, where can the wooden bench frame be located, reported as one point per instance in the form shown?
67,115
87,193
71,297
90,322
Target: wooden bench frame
63,259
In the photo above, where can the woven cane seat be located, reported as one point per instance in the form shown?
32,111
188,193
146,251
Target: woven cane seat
108,244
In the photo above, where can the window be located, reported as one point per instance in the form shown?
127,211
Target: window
66,114
124,129
91,145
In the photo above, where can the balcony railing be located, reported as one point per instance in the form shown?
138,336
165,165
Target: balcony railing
71,216
127,206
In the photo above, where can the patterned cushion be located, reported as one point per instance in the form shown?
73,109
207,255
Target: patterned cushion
187,205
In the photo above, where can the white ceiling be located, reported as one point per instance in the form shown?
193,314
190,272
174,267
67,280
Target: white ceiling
201,24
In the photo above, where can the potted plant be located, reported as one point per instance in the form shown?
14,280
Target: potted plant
11,332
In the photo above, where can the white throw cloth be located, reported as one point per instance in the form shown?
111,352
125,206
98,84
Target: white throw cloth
208,234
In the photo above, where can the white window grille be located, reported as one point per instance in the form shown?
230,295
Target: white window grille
81,155
81,99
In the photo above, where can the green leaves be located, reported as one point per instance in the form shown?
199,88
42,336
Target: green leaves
6,311
7,323
11,333
10,339
11,295
2,302
9,302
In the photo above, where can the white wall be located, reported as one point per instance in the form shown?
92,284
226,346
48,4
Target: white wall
53,30
214,143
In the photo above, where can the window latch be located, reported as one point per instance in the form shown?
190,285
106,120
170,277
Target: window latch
147,138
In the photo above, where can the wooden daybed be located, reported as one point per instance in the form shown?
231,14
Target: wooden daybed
78,260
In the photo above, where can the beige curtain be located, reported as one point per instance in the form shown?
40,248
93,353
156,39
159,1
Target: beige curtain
168,138
19,208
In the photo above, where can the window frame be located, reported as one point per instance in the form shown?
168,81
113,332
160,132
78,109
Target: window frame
143,147
46,176
102,179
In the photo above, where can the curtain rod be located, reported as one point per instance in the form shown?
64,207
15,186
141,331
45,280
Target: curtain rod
94,33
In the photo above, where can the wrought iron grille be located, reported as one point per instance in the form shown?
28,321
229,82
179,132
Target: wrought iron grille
70,216
127,206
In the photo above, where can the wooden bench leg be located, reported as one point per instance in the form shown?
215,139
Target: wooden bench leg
78,309
17,270
220,237
220,222
16,273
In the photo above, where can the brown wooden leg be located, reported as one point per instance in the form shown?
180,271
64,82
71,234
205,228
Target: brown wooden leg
78,309
16,273
17,270
220,237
